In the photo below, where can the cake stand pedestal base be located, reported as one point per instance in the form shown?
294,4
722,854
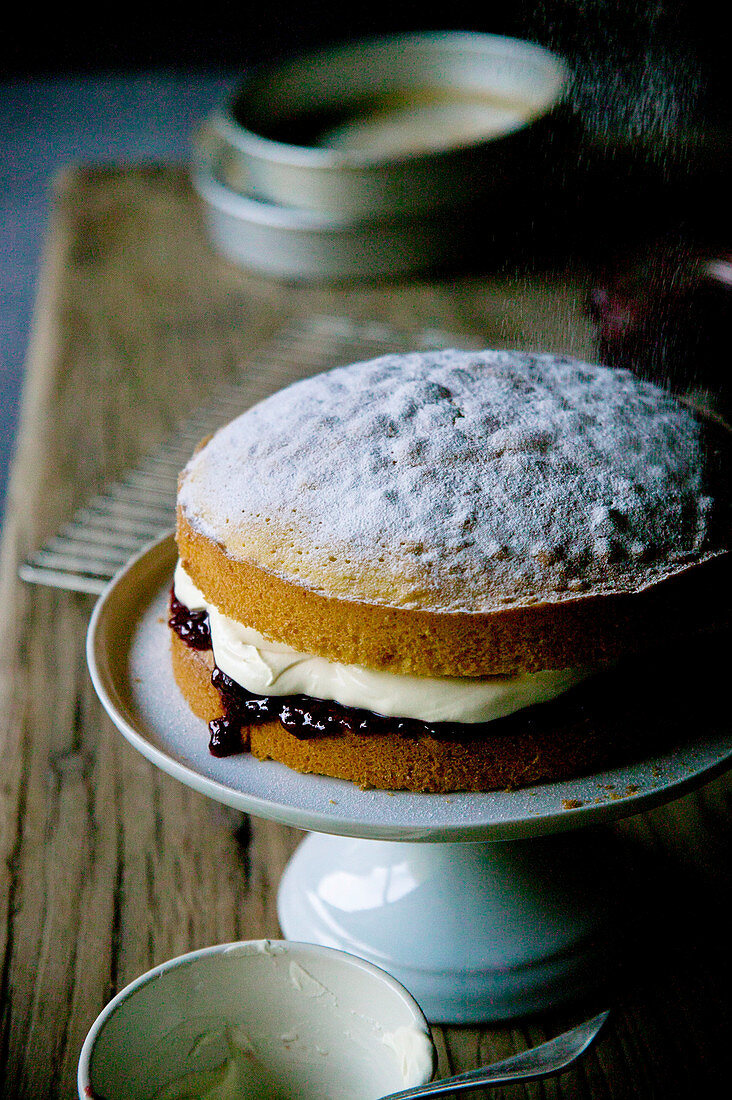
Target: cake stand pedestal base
475,931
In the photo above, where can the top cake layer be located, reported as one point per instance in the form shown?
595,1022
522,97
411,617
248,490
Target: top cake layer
455,484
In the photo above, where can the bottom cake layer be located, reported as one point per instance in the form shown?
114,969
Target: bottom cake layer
519,754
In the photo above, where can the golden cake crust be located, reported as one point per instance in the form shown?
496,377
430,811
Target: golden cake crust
393,762
461,514
592,630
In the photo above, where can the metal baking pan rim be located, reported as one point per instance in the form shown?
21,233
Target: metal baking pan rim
297,219
249,142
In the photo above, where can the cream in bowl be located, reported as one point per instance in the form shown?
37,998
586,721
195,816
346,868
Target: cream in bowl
264,1019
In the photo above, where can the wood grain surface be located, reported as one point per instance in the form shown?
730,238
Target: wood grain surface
108,866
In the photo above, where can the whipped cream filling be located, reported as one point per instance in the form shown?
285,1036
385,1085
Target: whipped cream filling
265,667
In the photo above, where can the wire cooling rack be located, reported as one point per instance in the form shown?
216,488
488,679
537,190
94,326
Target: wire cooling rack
116,523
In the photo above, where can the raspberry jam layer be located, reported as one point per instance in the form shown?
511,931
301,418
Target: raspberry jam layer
301,715
192,627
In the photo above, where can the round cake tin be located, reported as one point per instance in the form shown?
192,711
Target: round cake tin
289,243
367,158
387,124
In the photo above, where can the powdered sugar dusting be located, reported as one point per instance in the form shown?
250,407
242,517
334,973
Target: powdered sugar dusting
457,480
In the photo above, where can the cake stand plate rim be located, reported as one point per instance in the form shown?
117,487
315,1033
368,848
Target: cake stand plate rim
128,658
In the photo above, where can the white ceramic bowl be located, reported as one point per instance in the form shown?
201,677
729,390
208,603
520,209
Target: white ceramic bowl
271,1017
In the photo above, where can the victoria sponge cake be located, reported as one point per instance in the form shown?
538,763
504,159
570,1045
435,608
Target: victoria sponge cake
414,572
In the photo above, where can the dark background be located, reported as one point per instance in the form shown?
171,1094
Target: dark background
667,36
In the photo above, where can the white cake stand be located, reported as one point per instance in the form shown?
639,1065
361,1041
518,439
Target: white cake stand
510,908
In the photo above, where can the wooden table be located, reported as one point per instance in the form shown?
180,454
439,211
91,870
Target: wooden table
109,866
